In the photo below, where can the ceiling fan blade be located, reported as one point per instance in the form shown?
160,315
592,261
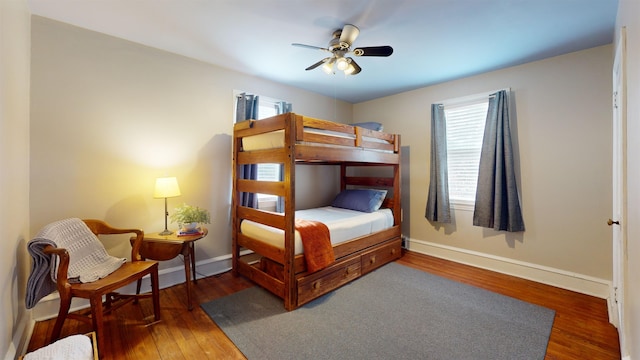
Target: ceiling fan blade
318,63
310,47
349,34
373,51
356,67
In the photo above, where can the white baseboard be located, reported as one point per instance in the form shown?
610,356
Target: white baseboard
555,277
20,339
48,307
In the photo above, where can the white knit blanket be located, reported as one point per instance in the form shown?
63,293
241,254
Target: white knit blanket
88,259
74,347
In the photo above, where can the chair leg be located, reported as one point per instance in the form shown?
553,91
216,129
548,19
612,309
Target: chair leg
155,293
138,286
108,299
65,304
97,318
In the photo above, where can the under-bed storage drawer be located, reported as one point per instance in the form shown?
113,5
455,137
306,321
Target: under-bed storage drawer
373,259
321,282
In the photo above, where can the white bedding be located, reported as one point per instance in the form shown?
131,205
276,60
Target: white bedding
343,225
74,347
275,139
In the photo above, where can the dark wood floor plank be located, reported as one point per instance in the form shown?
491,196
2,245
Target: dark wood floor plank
580,331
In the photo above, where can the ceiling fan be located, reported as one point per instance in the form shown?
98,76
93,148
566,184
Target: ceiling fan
340,47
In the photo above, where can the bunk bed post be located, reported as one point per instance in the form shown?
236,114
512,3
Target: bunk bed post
290,293
397,208
235,249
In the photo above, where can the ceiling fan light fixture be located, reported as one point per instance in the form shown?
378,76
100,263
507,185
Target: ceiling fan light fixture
328,67
353,67
349,70
340,47
342,64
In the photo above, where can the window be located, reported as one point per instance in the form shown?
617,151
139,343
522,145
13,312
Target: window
267,172
465,130
268,107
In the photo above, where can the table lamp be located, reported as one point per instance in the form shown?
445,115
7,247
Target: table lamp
166,187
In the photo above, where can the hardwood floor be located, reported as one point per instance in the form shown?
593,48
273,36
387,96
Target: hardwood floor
580,331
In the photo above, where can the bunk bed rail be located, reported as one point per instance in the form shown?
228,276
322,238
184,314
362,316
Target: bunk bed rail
319,140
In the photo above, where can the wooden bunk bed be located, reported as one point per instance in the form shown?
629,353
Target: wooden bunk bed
278,268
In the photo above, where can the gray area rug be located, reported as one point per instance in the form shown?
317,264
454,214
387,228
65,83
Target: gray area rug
395,312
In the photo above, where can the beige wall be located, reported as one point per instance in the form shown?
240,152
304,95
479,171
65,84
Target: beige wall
563,128
109,116
14,176
629,17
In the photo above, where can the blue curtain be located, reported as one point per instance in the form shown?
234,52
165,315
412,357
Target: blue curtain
497,203
438,209
282,107
247,108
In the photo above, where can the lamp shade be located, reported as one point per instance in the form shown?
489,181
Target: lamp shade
166,187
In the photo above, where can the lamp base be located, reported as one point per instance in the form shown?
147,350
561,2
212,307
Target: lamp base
166,232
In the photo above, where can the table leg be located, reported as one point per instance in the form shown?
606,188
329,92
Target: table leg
192,246
186,251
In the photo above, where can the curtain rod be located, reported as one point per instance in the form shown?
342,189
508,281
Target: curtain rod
470,98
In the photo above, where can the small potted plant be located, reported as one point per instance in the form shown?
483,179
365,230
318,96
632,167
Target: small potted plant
188,217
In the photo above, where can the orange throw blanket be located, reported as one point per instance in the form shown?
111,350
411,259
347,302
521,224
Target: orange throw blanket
316,241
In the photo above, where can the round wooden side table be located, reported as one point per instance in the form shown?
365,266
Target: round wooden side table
166,247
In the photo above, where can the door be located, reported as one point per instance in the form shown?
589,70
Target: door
617,223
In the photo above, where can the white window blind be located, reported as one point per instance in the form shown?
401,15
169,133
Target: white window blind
267,172
465,130
266,108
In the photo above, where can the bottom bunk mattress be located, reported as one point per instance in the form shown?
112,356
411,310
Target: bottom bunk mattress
343,224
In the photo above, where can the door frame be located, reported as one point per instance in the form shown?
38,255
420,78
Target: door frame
619,174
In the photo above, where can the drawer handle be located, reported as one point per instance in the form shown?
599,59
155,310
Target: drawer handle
372,260
393,251
316,285
348,271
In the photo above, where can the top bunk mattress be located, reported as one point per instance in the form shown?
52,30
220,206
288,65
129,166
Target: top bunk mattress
343,224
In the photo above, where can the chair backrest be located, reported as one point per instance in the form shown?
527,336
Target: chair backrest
99,227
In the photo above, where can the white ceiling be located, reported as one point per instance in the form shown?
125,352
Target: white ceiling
433,40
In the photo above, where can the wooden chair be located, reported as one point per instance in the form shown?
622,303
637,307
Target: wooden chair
129,272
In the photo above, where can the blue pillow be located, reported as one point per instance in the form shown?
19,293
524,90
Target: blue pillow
371,125
366,200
